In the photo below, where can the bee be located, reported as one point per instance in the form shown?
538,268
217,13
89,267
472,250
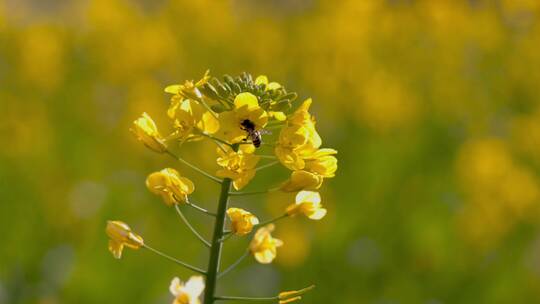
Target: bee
254,135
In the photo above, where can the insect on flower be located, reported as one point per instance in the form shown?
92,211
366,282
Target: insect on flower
252,133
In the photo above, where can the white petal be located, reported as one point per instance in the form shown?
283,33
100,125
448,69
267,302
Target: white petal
319,214
195,286
308,196
175,287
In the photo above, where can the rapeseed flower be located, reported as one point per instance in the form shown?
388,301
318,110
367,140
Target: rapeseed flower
120,235
189,292
170,185
146,131
242,221
238,166
264,246
246,107
309,204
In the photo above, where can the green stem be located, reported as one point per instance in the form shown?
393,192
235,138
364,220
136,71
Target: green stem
266,156
198,208
215,138
205,105
233,265
170,258
267,165
271,220
229,298
287,295
227,235
253,192
184,219
216,245
210,176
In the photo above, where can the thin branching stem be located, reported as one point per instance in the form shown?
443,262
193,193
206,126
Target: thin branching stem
267,165
215,138
205,105
233,265
226,235
200,209
229,298
253,192
267,156
184,219
284,296
271,220
208,175
170,258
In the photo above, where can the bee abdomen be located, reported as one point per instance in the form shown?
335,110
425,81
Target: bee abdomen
256,142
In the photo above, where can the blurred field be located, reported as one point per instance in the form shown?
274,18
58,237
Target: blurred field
432,105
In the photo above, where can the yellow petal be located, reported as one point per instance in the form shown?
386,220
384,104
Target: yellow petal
302,180
186,185
116,249
265,257
278,115
173,89
208,124
246,99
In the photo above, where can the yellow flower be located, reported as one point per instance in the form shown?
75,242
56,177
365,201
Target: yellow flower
246,107
188,293
292,145
189,89
309,204
146,132
242,221
170,185
120,235
302,180
238,166
263,246
189,115
298,149
302,116
298,139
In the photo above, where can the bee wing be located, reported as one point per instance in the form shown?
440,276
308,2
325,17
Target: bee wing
265,132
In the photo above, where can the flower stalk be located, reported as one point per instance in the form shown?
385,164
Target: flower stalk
253,192
201,171
188,224
216,245
170,258
233,265
200,209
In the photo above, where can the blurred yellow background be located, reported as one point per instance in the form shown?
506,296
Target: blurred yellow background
432,105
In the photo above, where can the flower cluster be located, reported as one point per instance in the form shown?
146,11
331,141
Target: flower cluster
234,114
